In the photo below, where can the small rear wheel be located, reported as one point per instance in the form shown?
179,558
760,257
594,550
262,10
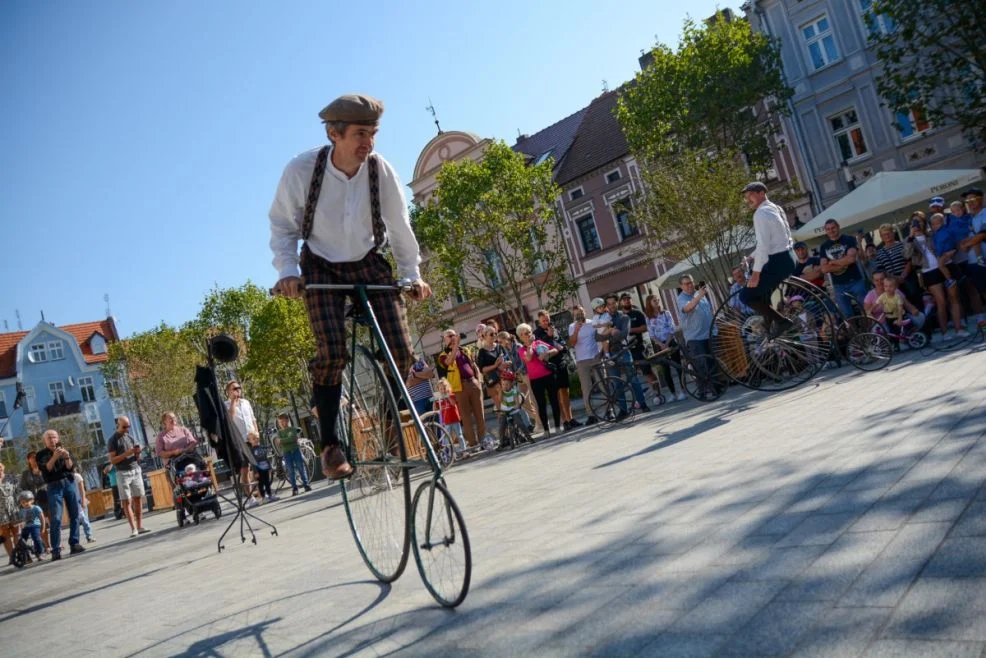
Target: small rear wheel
441,443
702,378
180,513
611,400
217,509
440,544
869,351
918,340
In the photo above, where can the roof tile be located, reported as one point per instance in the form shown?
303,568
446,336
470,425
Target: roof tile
81,332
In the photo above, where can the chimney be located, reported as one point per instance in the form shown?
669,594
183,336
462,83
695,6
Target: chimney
646,59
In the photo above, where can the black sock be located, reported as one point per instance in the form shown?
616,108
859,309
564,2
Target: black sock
327,398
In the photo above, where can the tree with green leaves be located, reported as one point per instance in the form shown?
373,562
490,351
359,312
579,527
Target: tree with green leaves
934,61
230,310
708,94
693,211
158,368
491,232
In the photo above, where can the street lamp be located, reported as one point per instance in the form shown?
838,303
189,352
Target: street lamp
847,174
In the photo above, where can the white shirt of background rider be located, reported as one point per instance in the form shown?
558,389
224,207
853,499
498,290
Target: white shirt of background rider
772,231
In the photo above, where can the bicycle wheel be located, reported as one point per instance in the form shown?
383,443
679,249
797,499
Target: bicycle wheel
377,495
441,544
611,400
699,376
308,457
441,443
869,351
750,355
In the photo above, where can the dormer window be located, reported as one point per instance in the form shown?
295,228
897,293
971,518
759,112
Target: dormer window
98,344
38,353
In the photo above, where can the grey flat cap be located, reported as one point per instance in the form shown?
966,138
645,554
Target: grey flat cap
353,108
755,186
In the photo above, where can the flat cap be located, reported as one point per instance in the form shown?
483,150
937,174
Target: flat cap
353,108
755,186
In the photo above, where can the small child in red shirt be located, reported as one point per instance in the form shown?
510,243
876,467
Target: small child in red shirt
448,412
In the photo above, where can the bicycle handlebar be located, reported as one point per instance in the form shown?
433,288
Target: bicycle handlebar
403,285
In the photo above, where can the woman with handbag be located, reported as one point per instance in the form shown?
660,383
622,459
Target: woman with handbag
537,355
457,366
492,361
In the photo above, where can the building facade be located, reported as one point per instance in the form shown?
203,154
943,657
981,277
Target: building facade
58,369
838,120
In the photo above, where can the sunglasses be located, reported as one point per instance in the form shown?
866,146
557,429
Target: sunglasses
237,388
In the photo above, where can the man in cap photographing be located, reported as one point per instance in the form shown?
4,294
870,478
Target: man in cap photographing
773,260
344,202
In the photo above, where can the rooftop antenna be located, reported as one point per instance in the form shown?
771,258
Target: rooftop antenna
6,328
42,315
106,298
20,326
434,115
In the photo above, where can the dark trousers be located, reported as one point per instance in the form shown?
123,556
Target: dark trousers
57,491
34,533
545,389
263,482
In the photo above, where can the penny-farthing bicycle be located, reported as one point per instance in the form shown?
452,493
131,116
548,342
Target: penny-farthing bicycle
387,448
751,356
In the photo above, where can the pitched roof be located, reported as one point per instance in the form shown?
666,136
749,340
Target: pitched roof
81,332
598,141
556,139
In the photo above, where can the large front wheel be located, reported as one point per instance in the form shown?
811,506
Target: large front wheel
377,495
441,544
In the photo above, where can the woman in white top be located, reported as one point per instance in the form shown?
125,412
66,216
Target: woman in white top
919,248
660,326
242,422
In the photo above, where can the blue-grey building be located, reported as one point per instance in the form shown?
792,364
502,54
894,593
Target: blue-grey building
59,371
843,130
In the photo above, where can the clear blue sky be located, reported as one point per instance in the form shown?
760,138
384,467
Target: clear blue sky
141,142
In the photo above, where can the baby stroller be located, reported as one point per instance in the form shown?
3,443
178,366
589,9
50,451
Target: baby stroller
193,493
23,553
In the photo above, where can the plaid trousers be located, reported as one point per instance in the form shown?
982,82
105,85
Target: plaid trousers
327,312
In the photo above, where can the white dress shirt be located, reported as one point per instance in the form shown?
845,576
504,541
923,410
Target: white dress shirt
772,231
342,230
243,420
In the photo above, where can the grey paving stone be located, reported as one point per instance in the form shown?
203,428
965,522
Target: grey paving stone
886,515
884,582
834,572
923,649
729,608
942,608
961,557
972,523
939,510
842,633
775,631
675,645
781,563
820,529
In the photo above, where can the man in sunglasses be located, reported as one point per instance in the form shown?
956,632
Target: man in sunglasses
344,202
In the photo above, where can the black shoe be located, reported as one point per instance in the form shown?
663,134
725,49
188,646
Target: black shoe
307,488
294,492
644,408
622,415
327,400
591,420
76,548
56,556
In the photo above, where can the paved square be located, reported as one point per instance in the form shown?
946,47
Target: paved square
844,518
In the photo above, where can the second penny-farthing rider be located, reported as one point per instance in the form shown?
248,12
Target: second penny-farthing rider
343,201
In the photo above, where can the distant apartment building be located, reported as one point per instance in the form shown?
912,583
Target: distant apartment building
59,371
838,121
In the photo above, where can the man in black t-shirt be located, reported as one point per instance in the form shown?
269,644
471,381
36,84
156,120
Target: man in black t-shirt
635,341
838,259
124,453
808,267
56,466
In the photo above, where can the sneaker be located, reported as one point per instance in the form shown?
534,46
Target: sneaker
56,556
307,487
574,423
294,492
133,533
252,502
681,397
143,531
949,335
591,420
273,499
90,540
962,333
75,549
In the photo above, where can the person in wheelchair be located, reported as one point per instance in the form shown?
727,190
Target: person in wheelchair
343,201
773,257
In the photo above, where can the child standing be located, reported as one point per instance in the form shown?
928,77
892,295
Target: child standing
945,246
287,439
34,522
262,455
448,411
602,322
80,484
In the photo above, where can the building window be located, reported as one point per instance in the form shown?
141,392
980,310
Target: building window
96,434
113,389
87,389
55,351
587,231
912,123
497,271
32,423
820,42
117,405
57,391
625,225
848,132
613,176
578,192
30,400
98,344
3,405
38,353
460,293
876,24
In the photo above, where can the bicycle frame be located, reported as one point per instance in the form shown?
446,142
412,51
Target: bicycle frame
367,310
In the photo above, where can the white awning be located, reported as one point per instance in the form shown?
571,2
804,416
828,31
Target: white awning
715,260
890,196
